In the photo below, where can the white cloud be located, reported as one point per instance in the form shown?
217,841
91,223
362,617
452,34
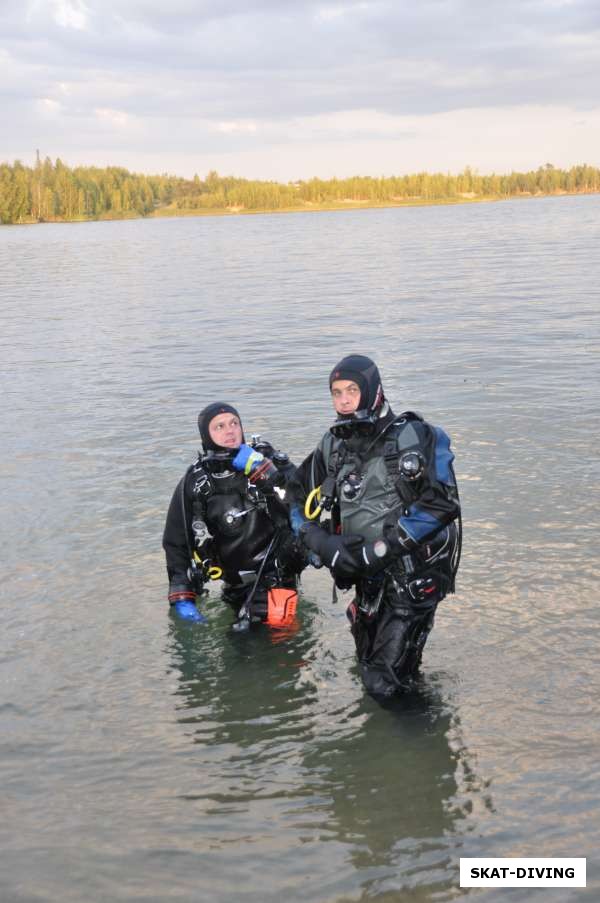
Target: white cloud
70,14
328,13
48,108
239,126
112,117
331,12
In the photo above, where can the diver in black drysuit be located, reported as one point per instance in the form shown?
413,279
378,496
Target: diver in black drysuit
227,520
389,486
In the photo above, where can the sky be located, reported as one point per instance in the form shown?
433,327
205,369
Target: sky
290,89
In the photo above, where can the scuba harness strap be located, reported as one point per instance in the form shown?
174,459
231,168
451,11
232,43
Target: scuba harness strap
200,567
338,456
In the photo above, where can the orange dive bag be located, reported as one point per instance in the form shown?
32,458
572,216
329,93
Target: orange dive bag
281,606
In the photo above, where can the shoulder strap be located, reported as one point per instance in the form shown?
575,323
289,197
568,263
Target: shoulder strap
335,462
405,416
201,488
202,485
391,452
183,485
332,458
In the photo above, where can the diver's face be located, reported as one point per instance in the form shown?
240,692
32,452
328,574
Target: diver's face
226,430
345,395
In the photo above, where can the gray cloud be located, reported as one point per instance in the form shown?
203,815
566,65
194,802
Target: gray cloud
120,71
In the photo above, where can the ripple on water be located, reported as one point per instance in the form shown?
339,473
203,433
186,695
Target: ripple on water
143,759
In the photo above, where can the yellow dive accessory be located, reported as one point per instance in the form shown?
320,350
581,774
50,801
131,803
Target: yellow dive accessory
315,494
212,571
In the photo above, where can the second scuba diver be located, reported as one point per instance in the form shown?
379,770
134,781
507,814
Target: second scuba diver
227,520
388,485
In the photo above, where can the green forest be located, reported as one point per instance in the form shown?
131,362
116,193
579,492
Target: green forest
53,192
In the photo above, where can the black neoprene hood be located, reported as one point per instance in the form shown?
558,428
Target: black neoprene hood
363,371
206,415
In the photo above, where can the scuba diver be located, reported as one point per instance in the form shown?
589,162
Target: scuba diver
388,485
227,520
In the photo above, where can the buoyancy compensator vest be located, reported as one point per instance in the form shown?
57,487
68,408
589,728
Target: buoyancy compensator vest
404,475
232,521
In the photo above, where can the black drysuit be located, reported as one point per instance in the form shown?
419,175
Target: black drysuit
394,606
229,523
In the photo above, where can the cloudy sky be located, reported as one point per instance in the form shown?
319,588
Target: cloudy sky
288,89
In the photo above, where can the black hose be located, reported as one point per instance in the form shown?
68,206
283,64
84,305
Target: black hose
245,612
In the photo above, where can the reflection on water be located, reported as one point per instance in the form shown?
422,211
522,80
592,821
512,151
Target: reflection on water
372,790
140,759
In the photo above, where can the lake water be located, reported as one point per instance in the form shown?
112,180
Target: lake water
145,760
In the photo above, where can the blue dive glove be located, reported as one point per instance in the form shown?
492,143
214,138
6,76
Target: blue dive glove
187,611
247,459
297,520
259,469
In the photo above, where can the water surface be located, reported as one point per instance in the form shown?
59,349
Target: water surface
141,759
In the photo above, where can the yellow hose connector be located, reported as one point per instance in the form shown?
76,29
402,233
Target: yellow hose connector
315,494
213,572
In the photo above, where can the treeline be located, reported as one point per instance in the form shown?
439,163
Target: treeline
53,192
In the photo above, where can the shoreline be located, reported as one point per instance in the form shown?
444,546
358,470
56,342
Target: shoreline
183,212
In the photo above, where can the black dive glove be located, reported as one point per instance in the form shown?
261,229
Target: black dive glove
398,538
341,554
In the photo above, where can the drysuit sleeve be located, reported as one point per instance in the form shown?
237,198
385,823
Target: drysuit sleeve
305,478
288,473
432,502
176,539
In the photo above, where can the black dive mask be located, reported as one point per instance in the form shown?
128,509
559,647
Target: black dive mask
218,462
360,423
